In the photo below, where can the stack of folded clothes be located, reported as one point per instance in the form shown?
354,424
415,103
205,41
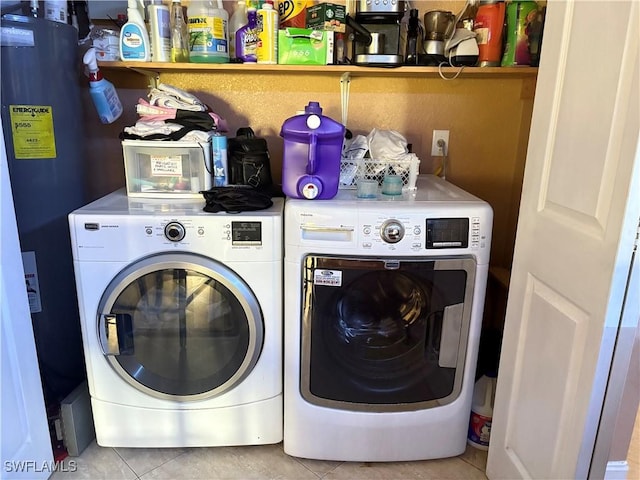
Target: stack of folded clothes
173,114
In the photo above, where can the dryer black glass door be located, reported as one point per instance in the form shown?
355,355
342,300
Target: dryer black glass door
384,334
180,326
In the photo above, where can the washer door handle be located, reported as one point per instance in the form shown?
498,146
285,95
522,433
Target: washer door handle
314,228
116,334
450,335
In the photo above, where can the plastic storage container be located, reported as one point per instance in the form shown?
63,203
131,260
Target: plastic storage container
167,169
311,154
484,394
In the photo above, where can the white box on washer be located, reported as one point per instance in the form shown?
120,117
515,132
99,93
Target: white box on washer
167,169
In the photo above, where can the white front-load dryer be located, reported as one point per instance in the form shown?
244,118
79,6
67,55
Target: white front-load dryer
181,316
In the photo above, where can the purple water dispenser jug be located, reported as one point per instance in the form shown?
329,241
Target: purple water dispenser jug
311,155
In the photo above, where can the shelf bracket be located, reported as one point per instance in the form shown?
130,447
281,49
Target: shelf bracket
154,77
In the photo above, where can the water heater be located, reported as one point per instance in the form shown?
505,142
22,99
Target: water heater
42,119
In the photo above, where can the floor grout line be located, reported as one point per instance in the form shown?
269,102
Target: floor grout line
115,450
473,465
300,462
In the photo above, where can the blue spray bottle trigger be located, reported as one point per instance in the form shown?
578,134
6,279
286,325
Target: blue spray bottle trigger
103,93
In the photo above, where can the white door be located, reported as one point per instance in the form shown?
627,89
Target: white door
577,226
25,444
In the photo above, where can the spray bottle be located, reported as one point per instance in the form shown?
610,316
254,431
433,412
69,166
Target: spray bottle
236,22
247,38
134,38
103,93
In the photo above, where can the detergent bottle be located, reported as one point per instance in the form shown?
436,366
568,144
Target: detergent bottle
159,31
208,32
104,95
312,154
267,49
484,393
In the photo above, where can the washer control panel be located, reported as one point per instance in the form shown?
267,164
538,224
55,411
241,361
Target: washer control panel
413,233
437,219
392,231
379,233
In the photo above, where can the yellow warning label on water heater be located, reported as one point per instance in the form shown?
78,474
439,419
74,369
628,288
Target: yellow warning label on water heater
32,128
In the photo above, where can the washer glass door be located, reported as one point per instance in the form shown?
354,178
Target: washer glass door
385,334
180,326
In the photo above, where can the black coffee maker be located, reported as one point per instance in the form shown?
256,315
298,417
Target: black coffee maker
376,33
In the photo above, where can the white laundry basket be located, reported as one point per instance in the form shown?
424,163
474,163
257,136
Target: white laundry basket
375,169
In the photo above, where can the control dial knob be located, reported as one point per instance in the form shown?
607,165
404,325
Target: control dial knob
174,231
392,231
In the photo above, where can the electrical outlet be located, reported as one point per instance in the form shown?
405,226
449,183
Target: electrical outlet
436,151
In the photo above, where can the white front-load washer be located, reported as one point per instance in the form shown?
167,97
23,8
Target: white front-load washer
382,322
181,316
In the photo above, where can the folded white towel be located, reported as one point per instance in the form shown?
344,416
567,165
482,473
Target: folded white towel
143,129
197,136
179,94
163,99
144,108
147,128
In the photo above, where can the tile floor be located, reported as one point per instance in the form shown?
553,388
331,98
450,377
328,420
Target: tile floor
254,462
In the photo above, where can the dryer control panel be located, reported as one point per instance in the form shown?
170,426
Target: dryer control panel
111,238
174,231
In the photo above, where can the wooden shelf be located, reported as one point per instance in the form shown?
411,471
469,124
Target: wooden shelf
332,70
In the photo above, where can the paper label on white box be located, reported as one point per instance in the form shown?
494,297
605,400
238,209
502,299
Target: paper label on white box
164,166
